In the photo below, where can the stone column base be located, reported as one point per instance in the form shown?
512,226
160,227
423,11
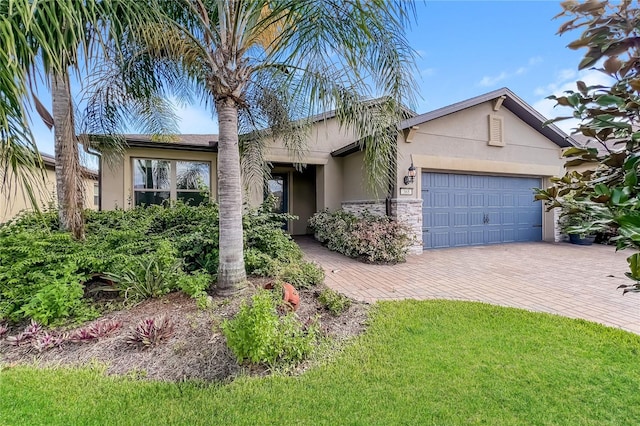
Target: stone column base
409,211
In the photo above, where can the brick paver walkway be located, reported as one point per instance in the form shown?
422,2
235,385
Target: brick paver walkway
564,279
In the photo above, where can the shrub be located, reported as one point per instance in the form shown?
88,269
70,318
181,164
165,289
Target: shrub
260,264
336,303
301,274
257,333
151,275
194,284
148,251
263,232
374,239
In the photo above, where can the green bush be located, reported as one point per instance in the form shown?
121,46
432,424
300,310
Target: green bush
257,333
334,302
301,274
149,251
260,264
374,239
151,275
194,284
57,300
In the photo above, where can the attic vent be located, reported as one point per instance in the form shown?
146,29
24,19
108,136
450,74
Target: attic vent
496,130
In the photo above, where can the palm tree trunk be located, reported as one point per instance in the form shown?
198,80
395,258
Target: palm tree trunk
69,183
231,270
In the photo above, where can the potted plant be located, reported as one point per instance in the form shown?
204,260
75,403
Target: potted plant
579,221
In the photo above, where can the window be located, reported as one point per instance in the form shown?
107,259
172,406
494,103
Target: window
155,181
96,194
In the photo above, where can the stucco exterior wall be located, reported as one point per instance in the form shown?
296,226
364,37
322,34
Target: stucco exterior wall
354,183
459,143
14,199
324,137
117,180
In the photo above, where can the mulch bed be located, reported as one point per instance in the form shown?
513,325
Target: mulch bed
196,350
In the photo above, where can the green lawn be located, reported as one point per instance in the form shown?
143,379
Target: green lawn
433,362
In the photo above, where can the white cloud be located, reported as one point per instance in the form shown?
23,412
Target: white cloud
427,72
566,80
492,81
535,60
488,81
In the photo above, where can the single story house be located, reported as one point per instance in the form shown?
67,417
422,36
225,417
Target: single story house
13,199
474,164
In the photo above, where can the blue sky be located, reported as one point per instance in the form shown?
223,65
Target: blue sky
466,48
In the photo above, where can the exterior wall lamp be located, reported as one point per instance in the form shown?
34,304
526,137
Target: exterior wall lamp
411,175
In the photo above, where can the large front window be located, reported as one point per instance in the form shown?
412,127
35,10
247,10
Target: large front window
155,181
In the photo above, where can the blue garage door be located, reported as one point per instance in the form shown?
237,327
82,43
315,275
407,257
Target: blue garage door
465,210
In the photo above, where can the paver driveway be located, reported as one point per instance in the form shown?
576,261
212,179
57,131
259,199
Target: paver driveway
563,279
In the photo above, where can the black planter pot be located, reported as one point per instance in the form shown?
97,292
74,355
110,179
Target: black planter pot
584,241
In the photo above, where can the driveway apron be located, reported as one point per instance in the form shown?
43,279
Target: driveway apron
563,279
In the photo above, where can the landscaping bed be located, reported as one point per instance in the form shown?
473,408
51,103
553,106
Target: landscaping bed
196,348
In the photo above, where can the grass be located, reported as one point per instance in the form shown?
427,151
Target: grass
430,362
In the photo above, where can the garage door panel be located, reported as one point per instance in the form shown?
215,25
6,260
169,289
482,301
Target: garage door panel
509,235
494,182
476,237
440,220
494,236
477,181
440,240
462,210
493,218
525,200
493,200
476,199
460,219
439,180
476,218
460,181
440,199
460,199
508,200
508,217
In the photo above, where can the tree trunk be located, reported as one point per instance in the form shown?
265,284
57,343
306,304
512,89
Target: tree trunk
231,271
69,182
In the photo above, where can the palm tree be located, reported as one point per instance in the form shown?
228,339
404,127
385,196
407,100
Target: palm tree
54,39
19,159
267,65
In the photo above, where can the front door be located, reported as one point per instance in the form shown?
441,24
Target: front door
278,186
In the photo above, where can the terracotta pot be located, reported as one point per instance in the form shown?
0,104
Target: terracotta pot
290,295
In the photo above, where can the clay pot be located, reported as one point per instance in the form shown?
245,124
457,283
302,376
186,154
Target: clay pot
290,295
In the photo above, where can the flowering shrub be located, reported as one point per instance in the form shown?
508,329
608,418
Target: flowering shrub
374,239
